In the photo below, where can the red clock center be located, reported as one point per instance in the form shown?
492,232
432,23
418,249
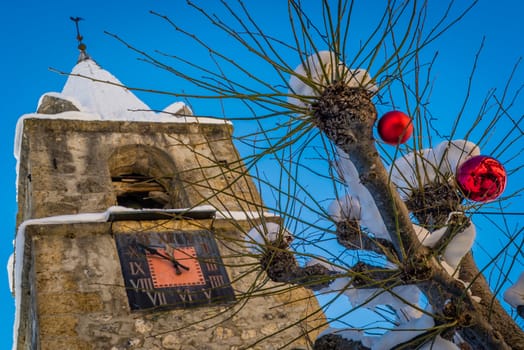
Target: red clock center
164,274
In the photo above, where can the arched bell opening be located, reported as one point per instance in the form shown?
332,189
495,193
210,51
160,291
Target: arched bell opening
140,191
145,177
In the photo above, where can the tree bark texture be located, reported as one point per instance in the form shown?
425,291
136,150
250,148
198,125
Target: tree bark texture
347,115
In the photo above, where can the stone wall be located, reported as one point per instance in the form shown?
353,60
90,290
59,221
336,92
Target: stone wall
65,164
80,300
73,294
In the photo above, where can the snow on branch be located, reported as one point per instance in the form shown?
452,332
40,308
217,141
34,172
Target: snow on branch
514,295
319,70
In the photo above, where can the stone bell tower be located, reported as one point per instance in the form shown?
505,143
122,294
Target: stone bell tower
131,230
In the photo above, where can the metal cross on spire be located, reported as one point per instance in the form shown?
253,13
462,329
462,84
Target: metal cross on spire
81,46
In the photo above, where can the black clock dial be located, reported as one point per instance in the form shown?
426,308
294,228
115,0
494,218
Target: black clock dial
173,270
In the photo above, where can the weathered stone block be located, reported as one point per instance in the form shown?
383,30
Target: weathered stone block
67,343
55,105
57,281
65,303
58,326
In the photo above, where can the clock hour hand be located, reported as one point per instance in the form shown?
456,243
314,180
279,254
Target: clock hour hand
173,261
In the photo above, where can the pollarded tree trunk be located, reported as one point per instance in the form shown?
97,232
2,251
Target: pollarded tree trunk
346,115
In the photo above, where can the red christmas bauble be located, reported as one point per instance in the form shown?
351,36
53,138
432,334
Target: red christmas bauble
482,178
395,127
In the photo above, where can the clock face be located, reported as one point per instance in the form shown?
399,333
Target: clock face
174,269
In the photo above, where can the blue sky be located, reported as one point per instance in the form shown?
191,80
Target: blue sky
36,35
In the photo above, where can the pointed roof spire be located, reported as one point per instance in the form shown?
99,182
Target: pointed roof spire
93,90
81,46
98,91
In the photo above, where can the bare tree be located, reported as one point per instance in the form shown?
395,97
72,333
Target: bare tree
404,226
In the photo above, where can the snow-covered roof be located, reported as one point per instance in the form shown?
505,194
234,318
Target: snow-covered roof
94,90
99,95
100,92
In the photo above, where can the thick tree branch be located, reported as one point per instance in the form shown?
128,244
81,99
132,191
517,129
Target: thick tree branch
337,342
347,115
455,224
281,266
350,235
432,204
489,307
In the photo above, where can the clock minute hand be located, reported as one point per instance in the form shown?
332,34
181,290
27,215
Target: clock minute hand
175,263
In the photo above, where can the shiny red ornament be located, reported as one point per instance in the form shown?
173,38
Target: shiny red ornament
481,178
395,127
